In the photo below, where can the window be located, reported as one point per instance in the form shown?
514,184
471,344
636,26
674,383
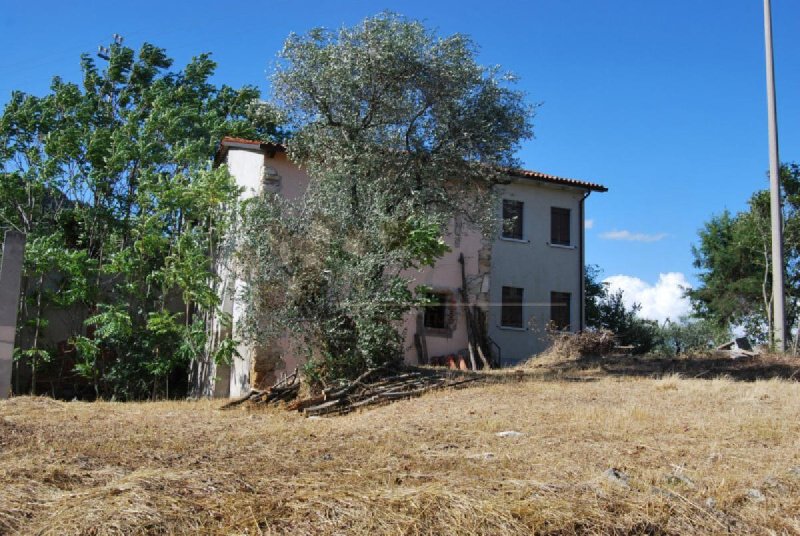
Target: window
439,315
512,219
436,312
559,226
511,312
560,310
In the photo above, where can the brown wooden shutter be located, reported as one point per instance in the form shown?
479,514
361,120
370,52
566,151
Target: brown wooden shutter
559,226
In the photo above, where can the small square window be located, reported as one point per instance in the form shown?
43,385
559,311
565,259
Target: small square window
560,310
511,311
559,226
512,219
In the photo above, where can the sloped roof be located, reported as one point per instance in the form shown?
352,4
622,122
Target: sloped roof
269,146
544,177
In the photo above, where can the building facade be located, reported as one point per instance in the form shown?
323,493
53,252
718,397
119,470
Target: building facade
512,285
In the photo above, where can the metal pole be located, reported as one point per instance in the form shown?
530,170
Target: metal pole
779,316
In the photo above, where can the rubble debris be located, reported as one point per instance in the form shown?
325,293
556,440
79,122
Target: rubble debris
755,495
738,348
615,476
481,456
509,433
678,478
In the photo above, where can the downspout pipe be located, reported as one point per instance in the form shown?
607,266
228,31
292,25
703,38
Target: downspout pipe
582,261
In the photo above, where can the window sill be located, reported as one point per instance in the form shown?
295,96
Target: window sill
511,328
562,246
517,240
439,332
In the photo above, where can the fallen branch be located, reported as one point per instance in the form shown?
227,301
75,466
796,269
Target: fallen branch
254,393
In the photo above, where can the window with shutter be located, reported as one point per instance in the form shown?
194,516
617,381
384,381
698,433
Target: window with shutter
560,310
511,311
559,226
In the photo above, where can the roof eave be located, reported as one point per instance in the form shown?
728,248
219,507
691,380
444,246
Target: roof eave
272,148
552,179
241,143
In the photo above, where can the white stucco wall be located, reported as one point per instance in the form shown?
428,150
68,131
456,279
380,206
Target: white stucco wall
246,164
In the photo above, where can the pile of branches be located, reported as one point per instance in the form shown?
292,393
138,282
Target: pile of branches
376,386
284,390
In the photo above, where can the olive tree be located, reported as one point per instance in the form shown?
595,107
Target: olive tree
400,130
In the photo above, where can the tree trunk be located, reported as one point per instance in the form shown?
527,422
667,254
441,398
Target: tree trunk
36,333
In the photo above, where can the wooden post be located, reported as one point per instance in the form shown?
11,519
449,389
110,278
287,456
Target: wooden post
467,314
420,342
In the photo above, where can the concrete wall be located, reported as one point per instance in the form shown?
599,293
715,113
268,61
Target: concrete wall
11,259
536,266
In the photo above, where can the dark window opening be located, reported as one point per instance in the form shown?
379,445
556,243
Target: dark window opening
511,312
436,311
512,219
560,310
559,226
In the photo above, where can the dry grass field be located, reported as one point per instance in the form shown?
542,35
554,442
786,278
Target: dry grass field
600,450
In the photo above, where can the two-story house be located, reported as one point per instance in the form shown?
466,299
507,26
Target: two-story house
528,276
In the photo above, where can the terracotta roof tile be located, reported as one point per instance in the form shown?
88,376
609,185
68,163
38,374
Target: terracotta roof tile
544,177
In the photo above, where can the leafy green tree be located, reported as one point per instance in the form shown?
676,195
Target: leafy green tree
734,257
111,180
607,311
687,335
627,326
400,130
594,291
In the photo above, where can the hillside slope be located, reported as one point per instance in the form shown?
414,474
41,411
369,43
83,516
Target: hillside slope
625,455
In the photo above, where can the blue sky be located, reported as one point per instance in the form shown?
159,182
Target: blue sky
663,102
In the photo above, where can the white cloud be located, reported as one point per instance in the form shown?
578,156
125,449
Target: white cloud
633,237
663,300
588,224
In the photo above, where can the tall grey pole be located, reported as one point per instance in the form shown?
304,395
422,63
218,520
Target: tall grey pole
779,315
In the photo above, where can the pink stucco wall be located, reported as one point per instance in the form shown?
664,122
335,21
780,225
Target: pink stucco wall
445,276
246,165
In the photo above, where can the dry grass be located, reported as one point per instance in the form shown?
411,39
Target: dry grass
567,347
700,456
